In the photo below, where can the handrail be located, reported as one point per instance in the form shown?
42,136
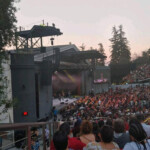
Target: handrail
27,127
21,125
13,143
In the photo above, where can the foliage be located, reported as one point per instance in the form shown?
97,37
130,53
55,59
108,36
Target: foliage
120,55
120,52
7,29
101,51
141,60
7,22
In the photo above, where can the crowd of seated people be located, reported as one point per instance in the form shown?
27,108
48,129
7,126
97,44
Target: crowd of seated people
114,103
104,134
140,74
104,122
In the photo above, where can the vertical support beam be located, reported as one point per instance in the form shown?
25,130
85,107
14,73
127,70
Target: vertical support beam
50,137
43,133
16,40
41,42
29,137
53,127
31,43
27,44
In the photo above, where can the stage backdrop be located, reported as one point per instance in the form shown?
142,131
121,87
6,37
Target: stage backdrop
66,81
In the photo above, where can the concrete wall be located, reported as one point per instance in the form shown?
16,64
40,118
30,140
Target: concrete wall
88,82
45,101
99,88
8,116
128,85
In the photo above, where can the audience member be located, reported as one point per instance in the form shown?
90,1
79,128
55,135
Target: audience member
60,140
146,127
86,134
73,143
106,140
138,137
120,136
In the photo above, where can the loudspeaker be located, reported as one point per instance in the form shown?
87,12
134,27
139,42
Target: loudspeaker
43,49
46,72
57,57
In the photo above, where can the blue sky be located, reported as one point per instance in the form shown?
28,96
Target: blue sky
90,21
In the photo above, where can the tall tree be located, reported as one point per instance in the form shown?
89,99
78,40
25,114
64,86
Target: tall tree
125,54
115,53
120,55
82,47
120,52
102,51
7,29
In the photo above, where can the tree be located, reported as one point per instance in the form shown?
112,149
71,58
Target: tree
7,22
102,51
7,29
141,60
120,52
82,47
115,54
120,55
125,54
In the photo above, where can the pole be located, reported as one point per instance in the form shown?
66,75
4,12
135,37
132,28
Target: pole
29,137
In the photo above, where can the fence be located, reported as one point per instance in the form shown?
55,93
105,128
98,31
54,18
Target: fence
8,134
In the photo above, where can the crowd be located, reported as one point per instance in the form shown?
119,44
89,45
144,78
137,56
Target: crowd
109,121
109,134
140,74
114,103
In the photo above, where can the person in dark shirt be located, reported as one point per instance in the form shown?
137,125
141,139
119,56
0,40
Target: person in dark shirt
73,143
120,136
60,140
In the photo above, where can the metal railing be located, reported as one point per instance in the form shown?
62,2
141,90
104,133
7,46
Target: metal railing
27,127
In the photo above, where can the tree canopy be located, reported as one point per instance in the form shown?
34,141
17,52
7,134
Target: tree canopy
120,54
101,51
7,22
120,51
7,29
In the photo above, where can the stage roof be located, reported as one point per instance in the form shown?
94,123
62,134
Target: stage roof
77,56
39,31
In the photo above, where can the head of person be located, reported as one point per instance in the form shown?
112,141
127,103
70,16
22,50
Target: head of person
109,122
137,133
95,127
119,126
86,127
65,128
96,131
101,123
140,117
60,140
107,133
133,120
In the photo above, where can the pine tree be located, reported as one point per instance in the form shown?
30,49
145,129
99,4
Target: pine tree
125,55
120,55
120,52
115,53
102,51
